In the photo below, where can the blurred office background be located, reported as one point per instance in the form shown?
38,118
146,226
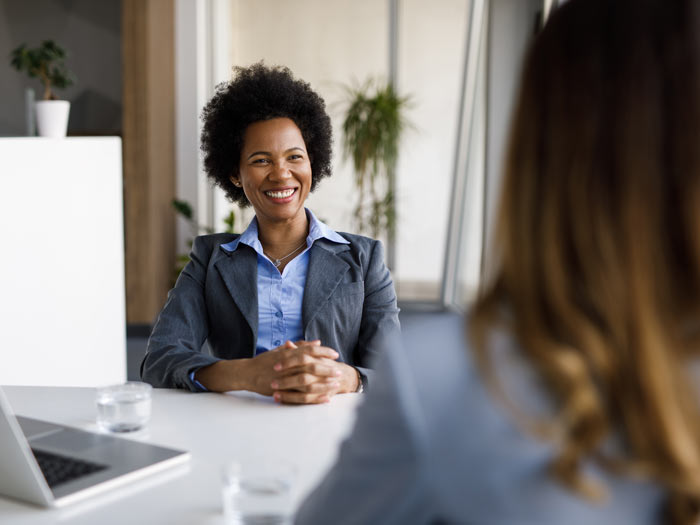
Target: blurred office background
145,69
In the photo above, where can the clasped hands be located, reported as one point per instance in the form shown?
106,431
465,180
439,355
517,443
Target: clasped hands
304,372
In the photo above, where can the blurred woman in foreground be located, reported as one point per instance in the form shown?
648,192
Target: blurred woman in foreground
575,401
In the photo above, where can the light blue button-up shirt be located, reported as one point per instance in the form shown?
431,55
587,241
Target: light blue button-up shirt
280,296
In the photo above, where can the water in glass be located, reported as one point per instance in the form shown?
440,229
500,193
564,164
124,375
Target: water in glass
254,498
124,408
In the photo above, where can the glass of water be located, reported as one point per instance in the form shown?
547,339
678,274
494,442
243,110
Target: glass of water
124,408
258,491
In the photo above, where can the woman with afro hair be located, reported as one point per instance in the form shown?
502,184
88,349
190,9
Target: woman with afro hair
290,308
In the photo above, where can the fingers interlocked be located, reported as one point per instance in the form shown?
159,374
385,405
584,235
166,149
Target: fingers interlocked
306,373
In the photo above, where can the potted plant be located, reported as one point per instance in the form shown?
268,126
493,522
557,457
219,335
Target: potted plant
46,63
372,129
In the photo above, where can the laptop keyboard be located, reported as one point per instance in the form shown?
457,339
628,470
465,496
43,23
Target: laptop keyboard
59,469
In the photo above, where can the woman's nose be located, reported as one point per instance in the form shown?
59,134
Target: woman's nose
280,171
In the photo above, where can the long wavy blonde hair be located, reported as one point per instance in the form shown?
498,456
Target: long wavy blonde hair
598,239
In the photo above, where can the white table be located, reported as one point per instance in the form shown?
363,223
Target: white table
215,428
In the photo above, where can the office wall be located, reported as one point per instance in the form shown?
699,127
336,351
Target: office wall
91,31
432,45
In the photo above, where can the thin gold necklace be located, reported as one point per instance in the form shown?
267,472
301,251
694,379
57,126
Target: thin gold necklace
278,262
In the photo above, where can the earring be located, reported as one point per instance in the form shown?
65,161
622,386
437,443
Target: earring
237,183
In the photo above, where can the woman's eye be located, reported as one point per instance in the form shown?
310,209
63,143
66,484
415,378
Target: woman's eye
260,161
295,157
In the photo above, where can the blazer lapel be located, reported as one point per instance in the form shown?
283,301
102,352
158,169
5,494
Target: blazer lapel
325,272
239,271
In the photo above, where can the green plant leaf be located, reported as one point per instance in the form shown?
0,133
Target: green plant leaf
45,62
61,78
230,221
183,208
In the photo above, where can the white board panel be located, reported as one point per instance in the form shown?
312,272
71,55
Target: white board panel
62,306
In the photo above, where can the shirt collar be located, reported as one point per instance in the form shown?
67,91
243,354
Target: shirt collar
317,230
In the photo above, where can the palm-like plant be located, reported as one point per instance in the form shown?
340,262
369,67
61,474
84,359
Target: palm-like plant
372,129
45,63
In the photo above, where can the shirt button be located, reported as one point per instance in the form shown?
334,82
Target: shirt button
278,314
277,342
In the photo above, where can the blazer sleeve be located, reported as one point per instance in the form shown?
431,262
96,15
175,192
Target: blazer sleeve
380,314
381,474
175,346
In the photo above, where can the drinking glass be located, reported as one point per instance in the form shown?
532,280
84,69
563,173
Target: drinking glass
258,491
125,407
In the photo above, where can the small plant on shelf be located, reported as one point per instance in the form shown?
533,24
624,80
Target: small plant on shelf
46,63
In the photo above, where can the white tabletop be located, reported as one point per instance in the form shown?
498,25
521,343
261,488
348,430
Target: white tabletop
215,428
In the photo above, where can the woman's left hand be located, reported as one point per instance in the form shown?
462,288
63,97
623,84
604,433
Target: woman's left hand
304,378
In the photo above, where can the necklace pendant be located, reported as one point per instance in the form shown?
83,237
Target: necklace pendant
278,262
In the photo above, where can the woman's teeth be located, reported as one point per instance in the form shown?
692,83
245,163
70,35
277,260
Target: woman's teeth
279,194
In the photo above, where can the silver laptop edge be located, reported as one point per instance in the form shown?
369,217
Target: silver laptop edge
21,478
125,479
20,475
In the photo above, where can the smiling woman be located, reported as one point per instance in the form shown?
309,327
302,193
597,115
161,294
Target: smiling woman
290,308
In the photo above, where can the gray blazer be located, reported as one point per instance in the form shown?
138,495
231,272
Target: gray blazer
349,304
431,445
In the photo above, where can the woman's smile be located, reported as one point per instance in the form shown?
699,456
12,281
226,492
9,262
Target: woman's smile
282,195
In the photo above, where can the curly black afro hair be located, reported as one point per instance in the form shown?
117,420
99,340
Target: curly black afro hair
260,93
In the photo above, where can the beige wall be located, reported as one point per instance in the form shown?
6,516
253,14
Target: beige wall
431,56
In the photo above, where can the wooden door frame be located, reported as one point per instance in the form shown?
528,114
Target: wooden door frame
148,76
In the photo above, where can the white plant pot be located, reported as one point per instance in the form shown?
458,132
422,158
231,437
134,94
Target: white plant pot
52,118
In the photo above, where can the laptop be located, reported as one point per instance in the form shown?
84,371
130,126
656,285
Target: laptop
54,465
